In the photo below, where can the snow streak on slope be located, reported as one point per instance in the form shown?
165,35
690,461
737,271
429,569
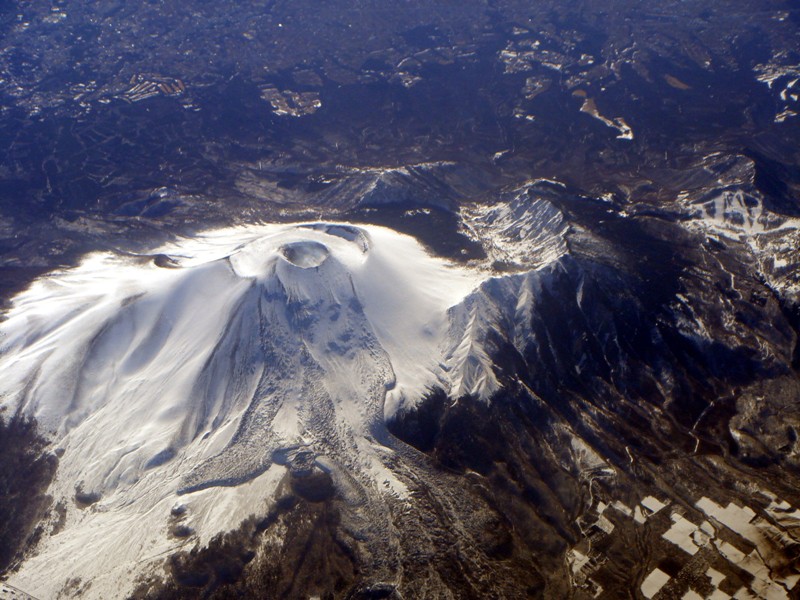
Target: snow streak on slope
468,361
257,345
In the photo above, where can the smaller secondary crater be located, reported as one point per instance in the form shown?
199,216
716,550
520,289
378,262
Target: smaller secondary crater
346,232
305,255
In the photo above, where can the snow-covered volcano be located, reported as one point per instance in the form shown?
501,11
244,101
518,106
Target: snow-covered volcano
327,410
199,374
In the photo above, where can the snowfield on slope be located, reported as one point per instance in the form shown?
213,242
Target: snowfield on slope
191,376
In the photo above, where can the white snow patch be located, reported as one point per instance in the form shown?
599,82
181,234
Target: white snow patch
715,576
654,582
653,504
681,534
625,132
406,294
